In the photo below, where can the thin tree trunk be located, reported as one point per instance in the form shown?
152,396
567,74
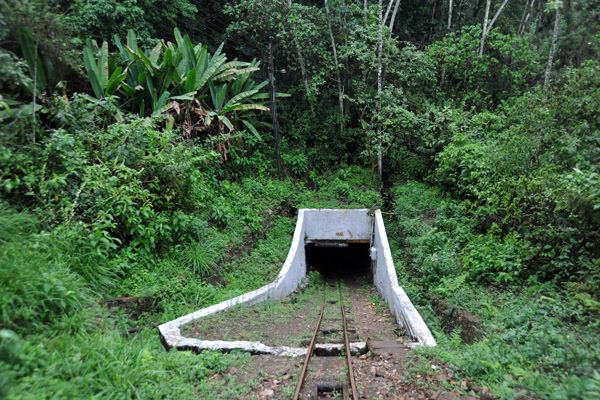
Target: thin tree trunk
337,66
35,73
485,22
274,112
496,16
552,49
547,79
303,71
379,92
528,18
538,13
305,79
394,15
432,20
366,11
387,11
449,16
523,17
486,27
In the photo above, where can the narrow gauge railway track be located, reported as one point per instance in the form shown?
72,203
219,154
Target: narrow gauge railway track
328,386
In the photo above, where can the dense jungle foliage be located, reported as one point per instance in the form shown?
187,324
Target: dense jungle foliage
137,161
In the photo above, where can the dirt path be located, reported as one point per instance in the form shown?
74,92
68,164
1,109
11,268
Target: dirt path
383,373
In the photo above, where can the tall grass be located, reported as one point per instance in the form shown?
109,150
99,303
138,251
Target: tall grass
46,276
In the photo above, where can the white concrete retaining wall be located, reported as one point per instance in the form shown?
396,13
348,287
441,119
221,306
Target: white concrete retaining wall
312,224
290,276
386,281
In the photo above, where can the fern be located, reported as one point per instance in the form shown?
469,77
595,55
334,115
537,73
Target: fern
450,284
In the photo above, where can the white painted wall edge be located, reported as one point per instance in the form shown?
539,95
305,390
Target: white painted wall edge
386,281
288,279
356,348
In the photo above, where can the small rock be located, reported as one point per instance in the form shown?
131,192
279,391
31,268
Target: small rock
379,372
266,394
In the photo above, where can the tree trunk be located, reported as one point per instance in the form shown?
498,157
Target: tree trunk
379,91
538,13
547,79
394,15
486,27
449,16
387,11
303,71
528,18
432,20
523,18
35,79
496,16
305,79
337,67
552,49
485,22
274,112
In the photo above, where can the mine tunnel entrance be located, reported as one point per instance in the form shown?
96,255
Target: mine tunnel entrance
338,259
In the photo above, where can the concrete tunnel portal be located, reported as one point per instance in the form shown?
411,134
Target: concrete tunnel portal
339,243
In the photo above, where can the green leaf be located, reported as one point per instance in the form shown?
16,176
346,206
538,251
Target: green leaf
115,81
215,63
232,73
162,101
218,96
190,81
243,107
240,97
32,58
132,41
154,55
252,129
226,121
103,65
92,69
187,96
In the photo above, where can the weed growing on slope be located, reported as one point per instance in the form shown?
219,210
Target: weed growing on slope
537,338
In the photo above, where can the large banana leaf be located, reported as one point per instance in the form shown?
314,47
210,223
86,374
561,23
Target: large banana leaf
217,95
115,81
34,61
98,70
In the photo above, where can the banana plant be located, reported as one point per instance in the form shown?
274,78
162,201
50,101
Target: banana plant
148,80
244,95
183,79
41,69
97,69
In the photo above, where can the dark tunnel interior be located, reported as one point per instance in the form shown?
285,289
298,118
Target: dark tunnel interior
332,262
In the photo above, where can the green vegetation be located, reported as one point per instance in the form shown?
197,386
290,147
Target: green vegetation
538,337
137,178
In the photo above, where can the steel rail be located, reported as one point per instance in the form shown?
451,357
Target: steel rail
347,344
311,347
